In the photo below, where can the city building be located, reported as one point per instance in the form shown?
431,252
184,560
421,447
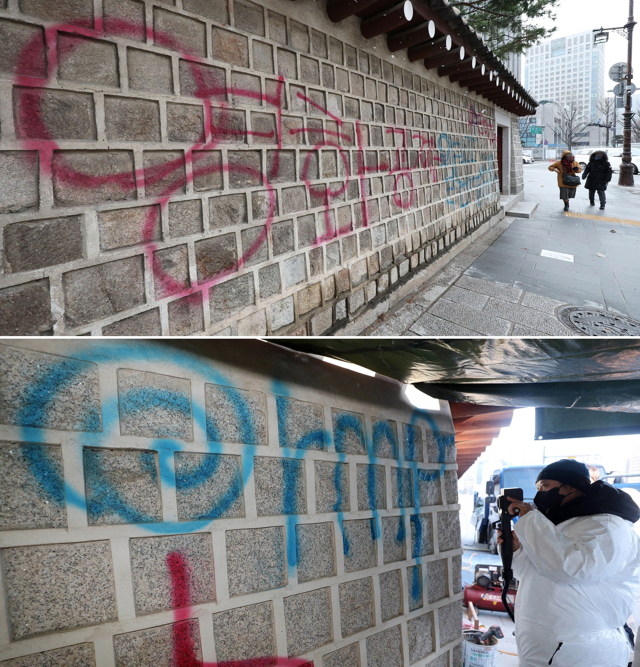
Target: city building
565,69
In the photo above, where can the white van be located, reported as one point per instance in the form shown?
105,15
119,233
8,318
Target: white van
615,158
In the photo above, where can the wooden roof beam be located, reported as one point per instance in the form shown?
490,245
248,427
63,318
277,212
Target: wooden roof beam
407,37
339,10
454,56
387,19
434,47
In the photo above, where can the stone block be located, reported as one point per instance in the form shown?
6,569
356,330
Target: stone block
332,487
280,486
269,281
321,322
72,382
359,544
309,297
179,33
42,243
372,487
282,313
202,81
348,432
315,551
349,656
236,416
262,57
385,438
456,572
152,405
245,635
307,619
211,9
230,297
226,210
215,256
441,448
157,563
429,490
356,606
249,17
390,594
456,656
255,560
164,173
254,324
437,580
401,487
277,28
282,239
356,301
413,444
307,231
44,583
421,637
230,47
451,486
171,271
18,181
448,530
208,486
263,126
20,39
316,261
264,205
142,324
414,586
245,168
384,649
421,535
294,200
113,170
255,246
77,655
299,36
25,310
32,486
394,539
185,122
122,486
185,217
154,647
309,71
60,114
149,72
300,424
295,270
228,126
130,13
126,227
85,60
449,622
186,315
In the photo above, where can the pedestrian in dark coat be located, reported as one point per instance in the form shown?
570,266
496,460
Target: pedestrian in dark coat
598,174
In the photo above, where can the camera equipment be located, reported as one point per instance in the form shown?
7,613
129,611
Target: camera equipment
506,548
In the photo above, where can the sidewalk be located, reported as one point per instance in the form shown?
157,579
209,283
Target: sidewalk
513,281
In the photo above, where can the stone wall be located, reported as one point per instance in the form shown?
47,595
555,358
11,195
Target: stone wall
231,504
517,169
187,167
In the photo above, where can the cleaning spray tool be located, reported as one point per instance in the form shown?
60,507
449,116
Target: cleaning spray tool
506,548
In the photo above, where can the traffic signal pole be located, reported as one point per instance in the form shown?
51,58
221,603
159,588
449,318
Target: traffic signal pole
626,168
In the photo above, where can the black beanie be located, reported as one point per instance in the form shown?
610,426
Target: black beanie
569,472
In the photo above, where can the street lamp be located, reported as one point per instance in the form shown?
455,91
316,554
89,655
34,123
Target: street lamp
600,37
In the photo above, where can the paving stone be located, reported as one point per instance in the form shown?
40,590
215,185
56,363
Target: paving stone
157,562
348,432
385,438
255,560
153,405
390,594
489,288
531,318
394,539
541,303
208,486
448,530
45,583
307,619
359,544
122,486
429,325
332,486
467,297
451,486
155,647
349,656
412,443
73,383
31,486
449,622
401,487
300,424
78,655
356,606
235,415
429,491
280,486
421,639
315,551
245,634
437,580
421,535
371,487
478,321
414,586
384,649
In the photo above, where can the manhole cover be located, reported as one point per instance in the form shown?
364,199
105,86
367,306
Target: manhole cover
596,322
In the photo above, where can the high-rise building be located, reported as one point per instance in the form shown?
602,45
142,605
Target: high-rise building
565,69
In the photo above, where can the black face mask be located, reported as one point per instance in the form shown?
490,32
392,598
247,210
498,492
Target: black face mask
547,501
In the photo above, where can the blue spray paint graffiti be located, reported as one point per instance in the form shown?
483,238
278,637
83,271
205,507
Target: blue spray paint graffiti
141,400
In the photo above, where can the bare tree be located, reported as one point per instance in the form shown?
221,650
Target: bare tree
570,123
607,108
524,125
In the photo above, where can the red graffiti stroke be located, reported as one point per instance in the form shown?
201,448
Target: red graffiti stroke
185,653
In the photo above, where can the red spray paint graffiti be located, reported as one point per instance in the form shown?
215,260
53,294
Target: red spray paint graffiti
185,653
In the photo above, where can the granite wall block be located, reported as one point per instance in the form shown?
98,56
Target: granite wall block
414,586
394,539
332,486
359,544
308,621
384,649
348,432
235,415
78,655
300,424
448,530
402,487
390,594
421,535
356,606
413,444
429,491
280,486
385,438
437,580
449,622
421,637
372,487
315,551
246,634
349,656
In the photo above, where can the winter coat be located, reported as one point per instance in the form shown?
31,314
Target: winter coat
578,581
598,173
557,166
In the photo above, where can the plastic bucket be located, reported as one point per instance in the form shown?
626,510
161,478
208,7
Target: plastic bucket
474,655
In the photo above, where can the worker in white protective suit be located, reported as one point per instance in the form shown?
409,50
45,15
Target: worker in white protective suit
577,559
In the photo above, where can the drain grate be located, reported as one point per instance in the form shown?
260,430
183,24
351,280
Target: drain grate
596,322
